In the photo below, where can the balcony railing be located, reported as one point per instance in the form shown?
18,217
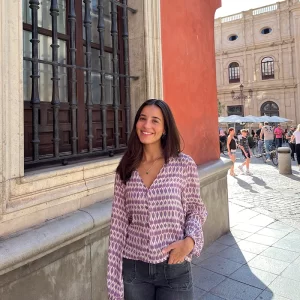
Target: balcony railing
265,9
232,18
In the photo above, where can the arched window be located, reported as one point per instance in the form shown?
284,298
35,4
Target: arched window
267,68
270,109
234,72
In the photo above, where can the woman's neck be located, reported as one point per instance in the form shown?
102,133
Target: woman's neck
152,152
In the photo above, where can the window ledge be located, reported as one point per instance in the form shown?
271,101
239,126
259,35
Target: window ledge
29,245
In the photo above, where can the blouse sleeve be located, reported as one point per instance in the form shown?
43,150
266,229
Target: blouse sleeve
118,230
194,207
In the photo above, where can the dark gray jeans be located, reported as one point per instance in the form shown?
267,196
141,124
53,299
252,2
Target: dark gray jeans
143,281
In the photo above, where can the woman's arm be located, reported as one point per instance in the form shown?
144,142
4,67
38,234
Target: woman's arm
118,230
195,210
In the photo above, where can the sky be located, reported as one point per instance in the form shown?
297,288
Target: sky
230,7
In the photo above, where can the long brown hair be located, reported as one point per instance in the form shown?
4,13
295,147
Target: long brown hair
170,141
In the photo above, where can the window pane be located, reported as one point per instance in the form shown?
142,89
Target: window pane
96,89
44,17
94,16
45,82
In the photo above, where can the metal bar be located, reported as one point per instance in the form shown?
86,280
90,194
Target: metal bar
115,61
54,12
126,66
103,106
76,67
35,98
88,55
124,6
72,49
65,157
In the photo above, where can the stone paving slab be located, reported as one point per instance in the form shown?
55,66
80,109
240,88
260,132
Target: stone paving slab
259,259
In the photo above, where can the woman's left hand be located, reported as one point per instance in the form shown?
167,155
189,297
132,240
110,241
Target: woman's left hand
179,250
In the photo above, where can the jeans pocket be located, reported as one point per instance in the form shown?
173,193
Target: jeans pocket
129,270
179,276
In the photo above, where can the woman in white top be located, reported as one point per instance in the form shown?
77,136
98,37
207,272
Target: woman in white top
296,136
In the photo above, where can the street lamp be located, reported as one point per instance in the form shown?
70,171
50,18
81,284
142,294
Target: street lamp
241,96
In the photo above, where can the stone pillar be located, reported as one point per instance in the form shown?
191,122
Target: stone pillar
189,73
11,99
296,24
284,160
145,52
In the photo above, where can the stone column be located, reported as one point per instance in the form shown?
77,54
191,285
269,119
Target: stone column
296,24
145,52
11,99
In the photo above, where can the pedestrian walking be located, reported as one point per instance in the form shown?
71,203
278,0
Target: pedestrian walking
267,131
231,147
260,140
292,143
296,137
157,213
278,132
244,145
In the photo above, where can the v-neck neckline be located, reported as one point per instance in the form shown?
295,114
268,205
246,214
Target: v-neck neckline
155,179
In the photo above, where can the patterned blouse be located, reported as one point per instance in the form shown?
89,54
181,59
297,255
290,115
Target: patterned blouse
146,220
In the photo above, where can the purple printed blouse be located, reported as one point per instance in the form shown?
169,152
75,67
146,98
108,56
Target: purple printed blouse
146,220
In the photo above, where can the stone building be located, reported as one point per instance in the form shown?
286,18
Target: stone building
72,75
260,49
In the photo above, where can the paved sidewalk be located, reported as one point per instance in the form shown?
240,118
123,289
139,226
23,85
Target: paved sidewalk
260,258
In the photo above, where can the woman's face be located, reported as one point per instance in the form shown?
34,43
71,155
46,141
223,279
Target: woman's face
150,125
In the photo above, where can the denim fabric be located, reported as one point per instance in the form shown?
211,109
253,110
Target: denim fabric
157,281
268,145
278,142
260,146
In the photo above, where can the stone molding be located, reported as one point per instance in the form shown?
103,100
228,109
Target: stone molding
153,49
22,248
43,195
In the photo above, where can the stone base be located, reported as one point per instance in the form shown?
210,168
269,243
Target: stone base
66,258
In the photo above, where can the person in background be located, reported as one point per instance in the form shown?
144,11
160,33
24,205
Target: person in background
239,136
296,138
252,133
222,137
292,143
267,131
231,147
278,132
157,213
260,141
284,136
244,145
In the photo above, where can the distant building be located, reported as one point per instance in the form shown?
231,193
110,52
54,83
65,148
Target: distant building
260,48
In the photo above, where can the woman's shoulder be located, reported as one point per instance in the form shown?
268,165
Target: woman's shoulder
184,159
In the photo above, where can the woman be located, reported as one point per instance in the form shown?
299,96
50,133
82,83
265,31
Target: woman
296,138
231,147
157,214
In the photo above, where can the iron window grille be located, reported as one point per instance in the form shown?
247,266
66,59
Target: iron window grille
267,68
76,79
235,110
270,109
234,72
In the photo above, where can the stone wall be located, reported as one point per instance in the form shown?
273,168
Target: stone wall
66,258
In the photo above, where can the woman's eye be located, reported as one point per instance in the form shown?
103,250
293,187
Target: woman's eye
142,118
155,121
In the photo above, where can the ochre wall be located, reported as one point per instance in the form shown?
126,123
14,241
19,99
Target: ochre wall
189,73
